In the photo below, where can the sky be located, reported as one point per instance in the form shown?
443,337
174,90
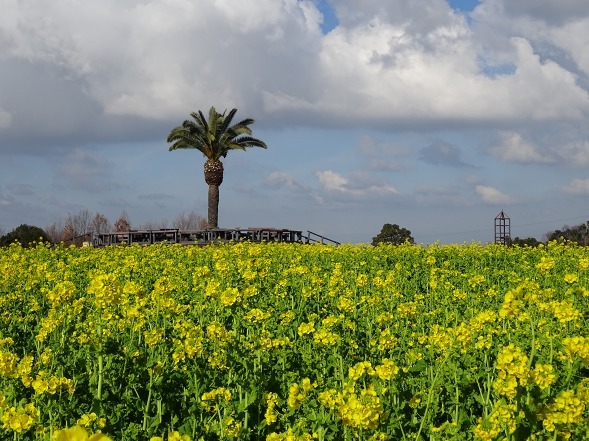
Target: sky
434,115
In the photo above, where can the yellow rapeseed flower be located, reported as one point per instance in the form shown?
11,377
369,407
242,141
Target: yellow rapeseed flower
387,370
542,375
77,433
306,328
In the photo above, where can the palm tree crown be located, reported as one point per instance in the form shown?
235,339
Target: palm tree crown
214,137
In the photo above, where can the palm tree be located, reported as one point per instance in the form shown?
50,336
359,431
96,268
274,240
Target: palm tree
214,138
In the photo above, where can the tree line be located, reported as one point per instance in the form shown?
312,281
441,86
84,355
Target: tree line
76,228
578,234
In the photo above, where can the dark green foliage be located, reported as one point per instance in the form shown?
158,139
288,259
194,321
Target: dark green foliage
577,233
529,241
25,235
393,234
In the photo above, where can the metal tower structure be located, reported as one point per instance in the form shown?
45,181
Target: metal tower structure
502,228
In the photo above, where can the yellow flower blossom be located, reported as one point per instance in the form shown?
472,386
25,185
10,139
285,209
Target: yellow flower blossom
545,264
324,337
297,393
512,367
220,394
362,411
230,296
566,409
387,370
502,419
542,375
20,419
106,289
270,414
77,433
306,328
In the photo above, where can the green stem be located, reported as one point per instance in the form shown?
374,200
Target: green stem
100,374
398,418
100,363
533,350
220,421
148,403
532,355
457,390
430,396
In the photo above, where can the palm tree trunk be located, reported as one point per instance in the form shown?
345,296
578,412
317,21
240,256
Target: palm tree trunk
213,206
213,177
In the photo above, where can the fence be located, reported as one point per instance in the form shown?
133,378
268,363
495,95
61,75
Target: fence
206,236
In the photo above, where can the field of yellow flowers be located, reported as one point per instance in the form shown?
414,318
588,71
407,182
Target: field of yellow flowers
294,342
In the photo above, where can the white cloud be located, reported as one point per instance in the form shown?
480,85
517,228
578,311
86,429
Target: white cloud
574,40
160,58
514,148
578,187
491,195
416,62
398,76
333,182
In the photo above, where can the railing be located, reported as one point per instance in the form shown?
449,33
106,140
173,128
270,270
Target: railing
318,238
206,236
140,237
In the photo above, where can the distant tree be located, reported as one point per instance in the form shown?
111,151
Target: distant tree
393,234
530,242
123,223
100,224
190,221
55,231
69,234
214,137
578,233
77,227
80,222
25,235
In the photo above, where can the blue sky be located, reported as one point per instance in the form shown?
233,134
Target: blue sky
432,115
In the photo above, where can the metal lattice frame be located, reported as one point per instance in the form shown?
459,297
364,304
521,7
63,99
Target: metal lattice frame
502,228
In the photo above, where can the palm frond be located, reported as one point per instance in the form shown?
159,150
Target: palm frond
248,141
227,120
